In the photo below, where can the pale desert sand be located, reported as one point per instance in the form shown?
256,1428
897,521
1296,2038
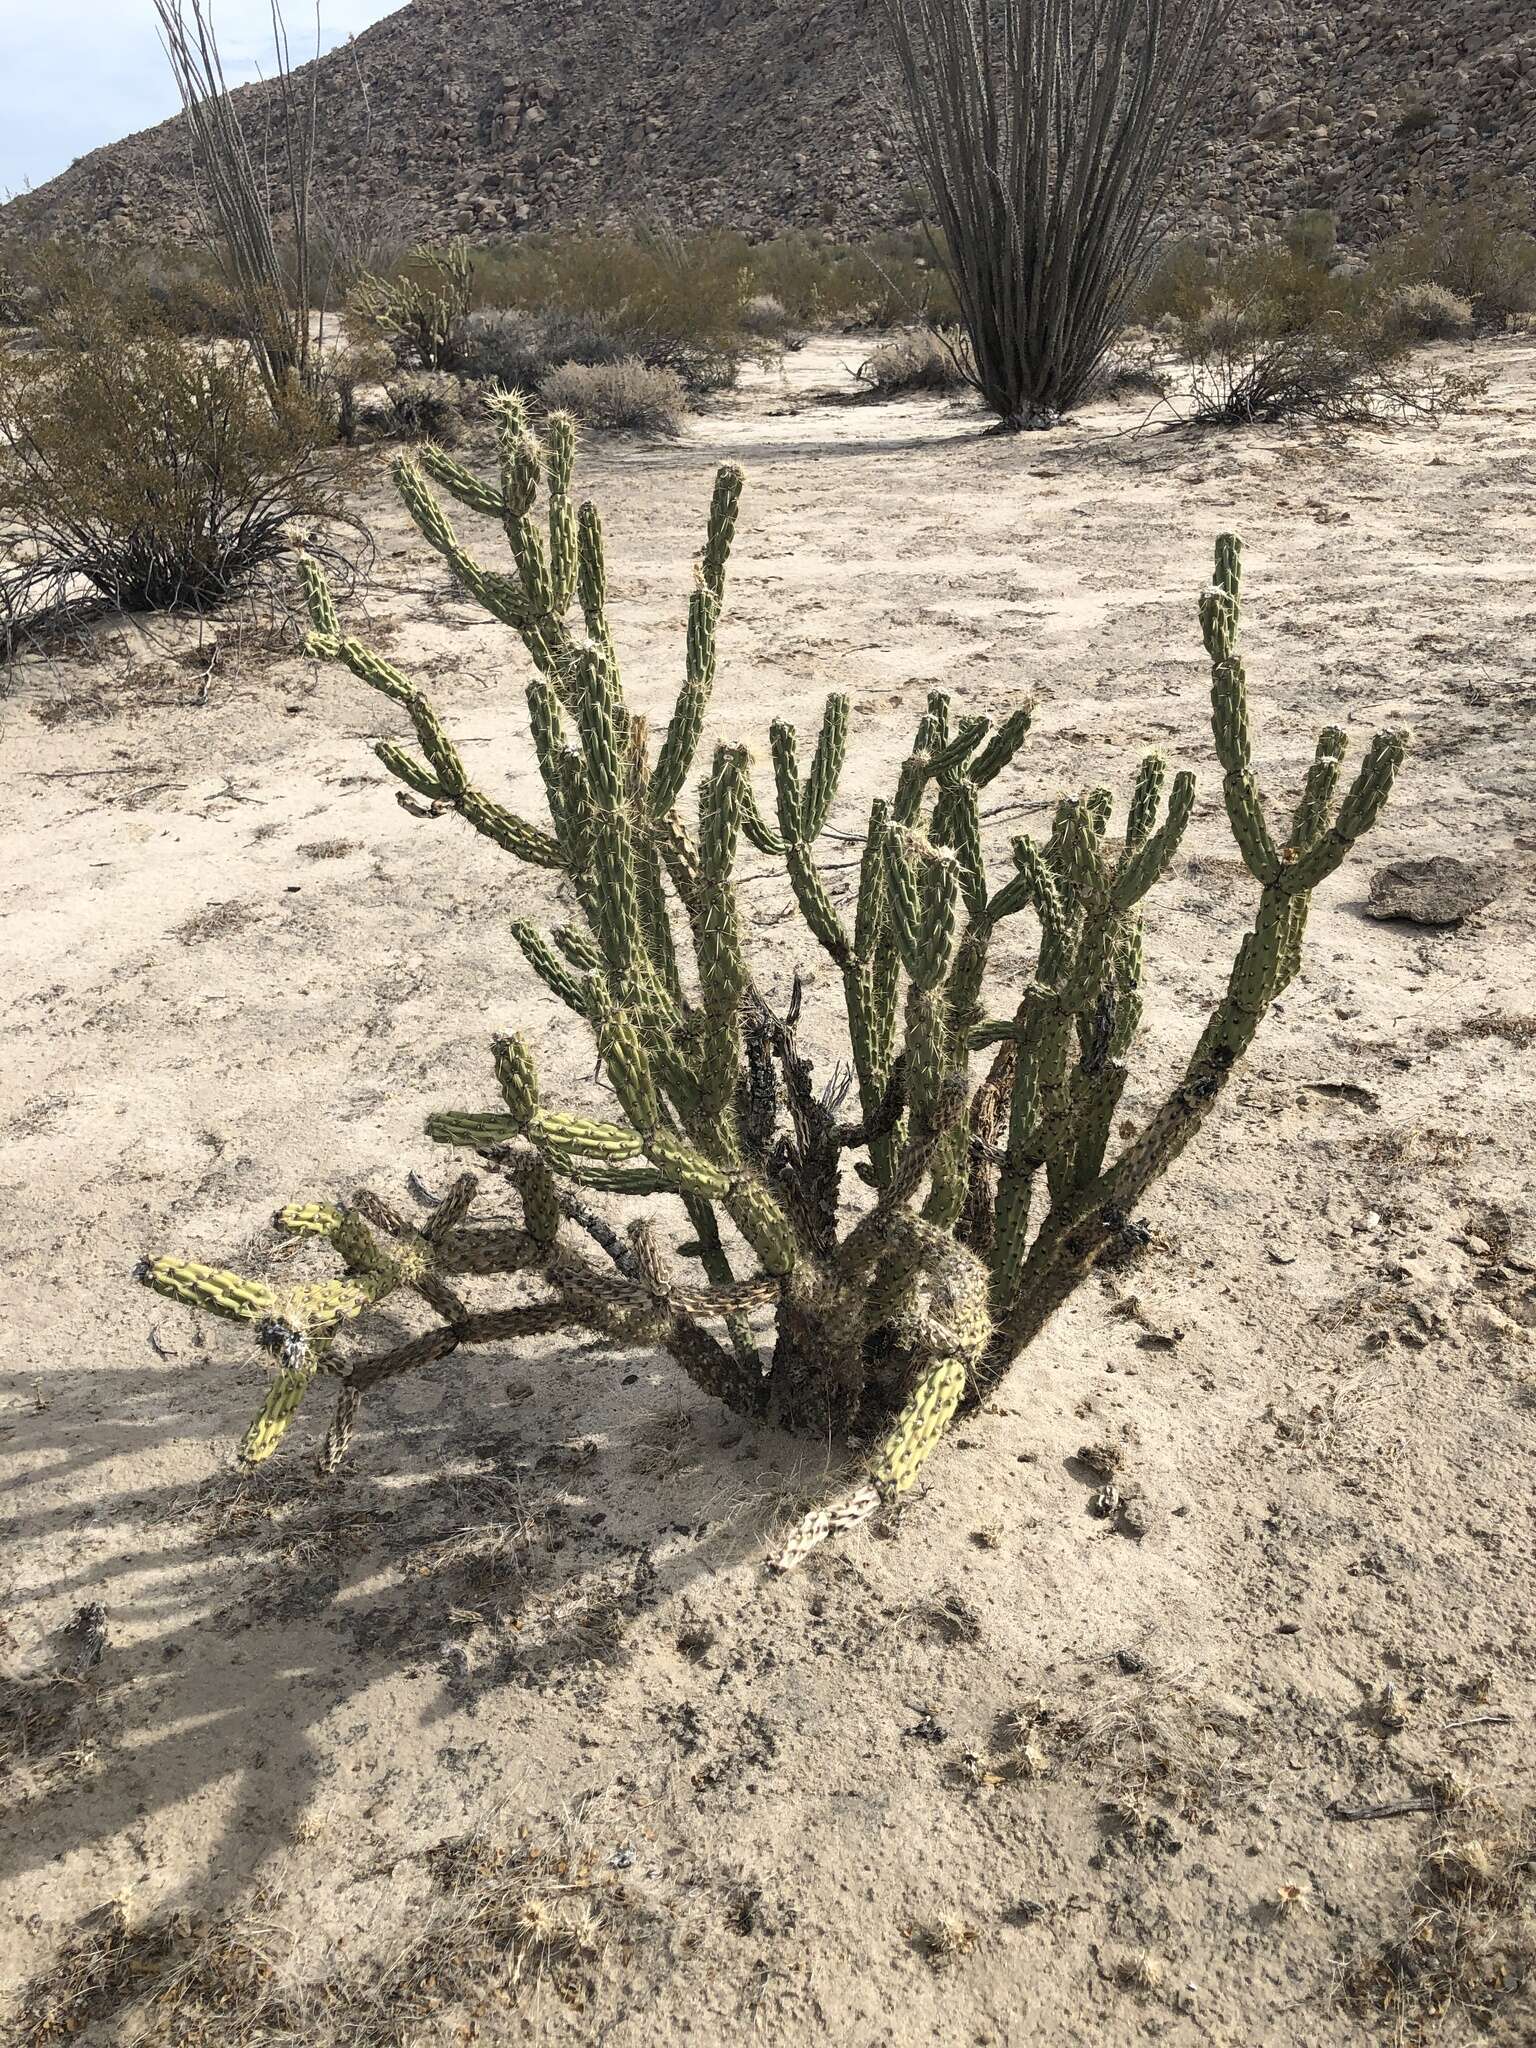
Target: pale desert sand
536,1607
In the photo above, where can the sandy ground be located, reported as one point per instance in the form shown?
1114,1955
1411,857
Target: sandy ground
1003,1772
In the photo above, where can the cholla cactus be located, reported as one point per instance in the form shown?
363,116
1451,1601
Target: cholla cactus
422,317
983,1186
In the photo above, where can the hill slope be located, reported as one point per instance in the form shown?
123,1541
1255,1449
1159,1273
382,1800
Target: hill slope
763,114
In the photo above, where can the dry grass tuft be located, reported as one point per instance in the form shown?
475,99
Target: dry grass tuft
1159,1751
505,1918
920,359
943,1943
1468,1948
1139,1971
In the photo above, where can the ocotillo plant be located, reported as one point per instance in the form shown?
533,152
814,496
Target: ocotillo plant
982,1187
421,316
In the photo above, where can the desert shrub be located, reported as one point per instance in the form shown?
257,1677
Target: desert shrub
427,405
1250,360
894,279
1426,312
875,1261
348,371
1274,335
150,472
1480,247
1312,237
18,299
198,311
765,318
1131,370
617,396
419,307
517,349
921,359
1176,283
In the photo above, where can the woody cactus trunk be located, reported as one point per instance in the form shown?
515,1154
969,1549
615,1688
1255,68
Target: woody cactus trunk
863,1256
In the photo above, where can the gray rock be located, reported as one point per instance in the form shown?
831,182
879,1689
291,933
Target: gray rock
1438,891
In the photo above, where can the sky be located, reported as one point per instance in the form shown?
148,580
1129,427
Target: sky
79,73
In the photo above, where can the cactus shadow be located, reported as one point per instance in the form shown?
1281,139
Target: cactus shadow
520,1527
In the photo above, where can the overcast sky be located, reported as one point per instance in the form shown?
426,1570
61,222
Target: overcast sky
82,72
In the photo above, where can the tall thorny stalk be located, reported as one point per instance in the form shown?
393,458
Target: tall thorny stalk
1047,131
987,1196
235,186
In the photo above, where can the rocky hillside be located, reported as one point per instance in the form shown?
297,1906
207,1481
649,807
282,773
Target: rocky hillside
490,115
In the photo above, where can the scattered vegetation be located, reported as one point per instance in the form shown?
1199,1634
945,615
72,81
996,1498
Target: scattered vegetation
425,406
518,349
1466,1949
502,1918
1270,334
1426,312
1481,247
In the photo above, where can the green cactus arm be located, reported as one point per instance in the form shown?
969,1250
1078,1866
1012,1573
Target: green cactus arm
826,769
407,769
591,571
1002,746
1145,799
285,1394
1313,813
756,827
724,508
1359,811
460,482
722,965
1145,864
309,1219
564,544
687,721
548,966
511,833
208,1287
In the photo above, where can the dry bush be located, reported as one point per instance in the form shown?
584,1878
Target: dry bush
893,279
920,359
144,471
765,317
1131,370
1426,312
348,371
1281,342
516,348
625,396
426,406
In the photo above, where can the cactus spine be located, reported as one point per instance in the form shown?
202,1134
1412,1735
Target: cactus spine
983,1142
